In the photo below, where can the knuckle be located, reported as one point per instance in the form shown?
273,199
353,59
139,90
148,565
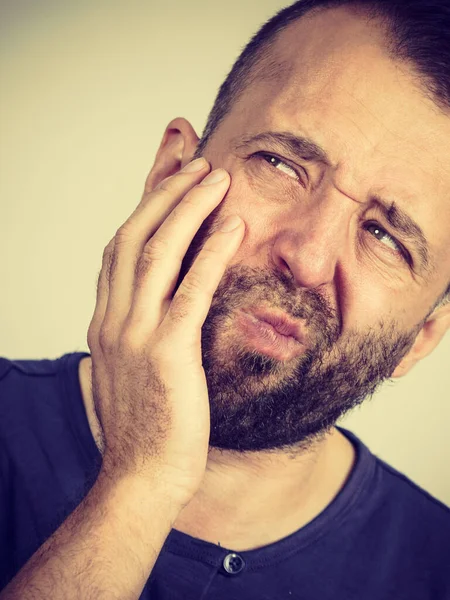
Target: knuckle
190,201
156,248
123,234
209,251
92,336
106,338
193,283
166,185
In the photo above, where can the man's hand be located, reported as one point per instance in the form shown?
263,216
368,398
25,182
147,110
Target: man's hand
149,386
151,396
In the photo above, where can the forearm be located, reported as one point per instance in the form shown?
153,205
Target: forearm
105,549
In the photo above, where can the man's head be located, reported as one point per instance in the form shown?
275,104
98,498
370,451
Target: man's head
336,136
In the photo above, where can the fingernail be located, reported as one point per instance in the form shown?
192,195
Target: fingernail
196,165
231,223
214,177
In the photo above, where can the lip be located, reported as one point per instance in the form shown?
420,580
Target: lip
283,324
268,340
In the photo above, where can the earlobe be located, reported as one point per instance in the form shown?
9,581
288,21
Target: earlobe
177,148
429,336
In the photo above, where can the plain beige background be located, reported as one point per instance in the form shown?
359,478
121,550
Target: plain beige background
87,89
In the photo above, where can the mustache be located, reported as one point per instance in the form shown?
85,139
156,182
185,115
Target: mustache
278,290
320,317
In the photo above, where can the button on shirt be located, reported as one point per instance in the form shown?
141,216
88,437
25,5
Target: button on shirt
233,563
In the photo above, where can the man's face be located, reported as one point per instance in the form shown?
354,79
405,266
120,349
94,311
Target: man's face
331,242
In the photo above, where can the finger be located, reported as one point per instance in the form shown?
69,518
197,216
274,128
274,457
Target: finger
101,297
159,265
132,236
192,301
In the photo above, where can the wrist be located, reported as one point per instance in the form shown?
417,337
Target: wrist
143,493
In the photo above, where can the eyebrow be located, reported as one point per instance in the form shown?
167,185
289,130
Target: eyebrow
300,146
401,221
306,149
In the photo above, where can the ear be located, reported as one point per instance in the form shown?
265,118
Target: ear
176,149
433,330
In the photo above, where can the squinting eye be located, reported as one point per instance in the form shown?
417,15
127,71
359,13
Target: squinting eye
386,239
277,163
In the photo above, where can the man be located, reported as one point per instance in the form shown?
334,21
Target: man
209,465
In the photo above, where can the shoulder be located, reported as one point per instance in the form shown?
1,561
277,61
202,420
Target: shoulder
31,390
400,528
398,513
415,498
24,368
412,524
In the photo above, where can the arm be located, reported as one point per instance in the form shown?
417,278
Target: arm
152,402
105,549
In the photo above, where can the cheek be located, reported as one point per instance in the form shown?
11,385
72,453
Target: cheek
255,245
365,304
260,218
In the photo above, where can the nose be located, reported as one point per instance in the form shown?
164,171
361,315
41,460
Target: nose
313,241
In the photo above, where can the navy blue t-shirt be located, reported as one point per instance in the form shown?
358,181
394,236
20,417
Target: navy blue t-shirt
381,538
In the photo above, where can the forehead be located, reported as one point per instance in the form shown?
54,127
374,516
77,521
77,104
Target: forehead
337,85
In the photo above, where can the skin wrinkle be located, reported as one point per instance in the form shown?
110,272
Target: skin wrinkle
308,150
423,249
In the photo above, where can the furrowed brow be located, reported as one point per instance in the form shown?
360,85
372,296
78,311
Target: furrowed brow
299,146
306,149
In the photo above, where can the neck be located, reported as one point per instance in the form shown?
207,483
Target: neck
255,499
248,500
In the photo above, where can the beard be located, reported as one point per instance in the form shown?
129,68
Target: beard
259,403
